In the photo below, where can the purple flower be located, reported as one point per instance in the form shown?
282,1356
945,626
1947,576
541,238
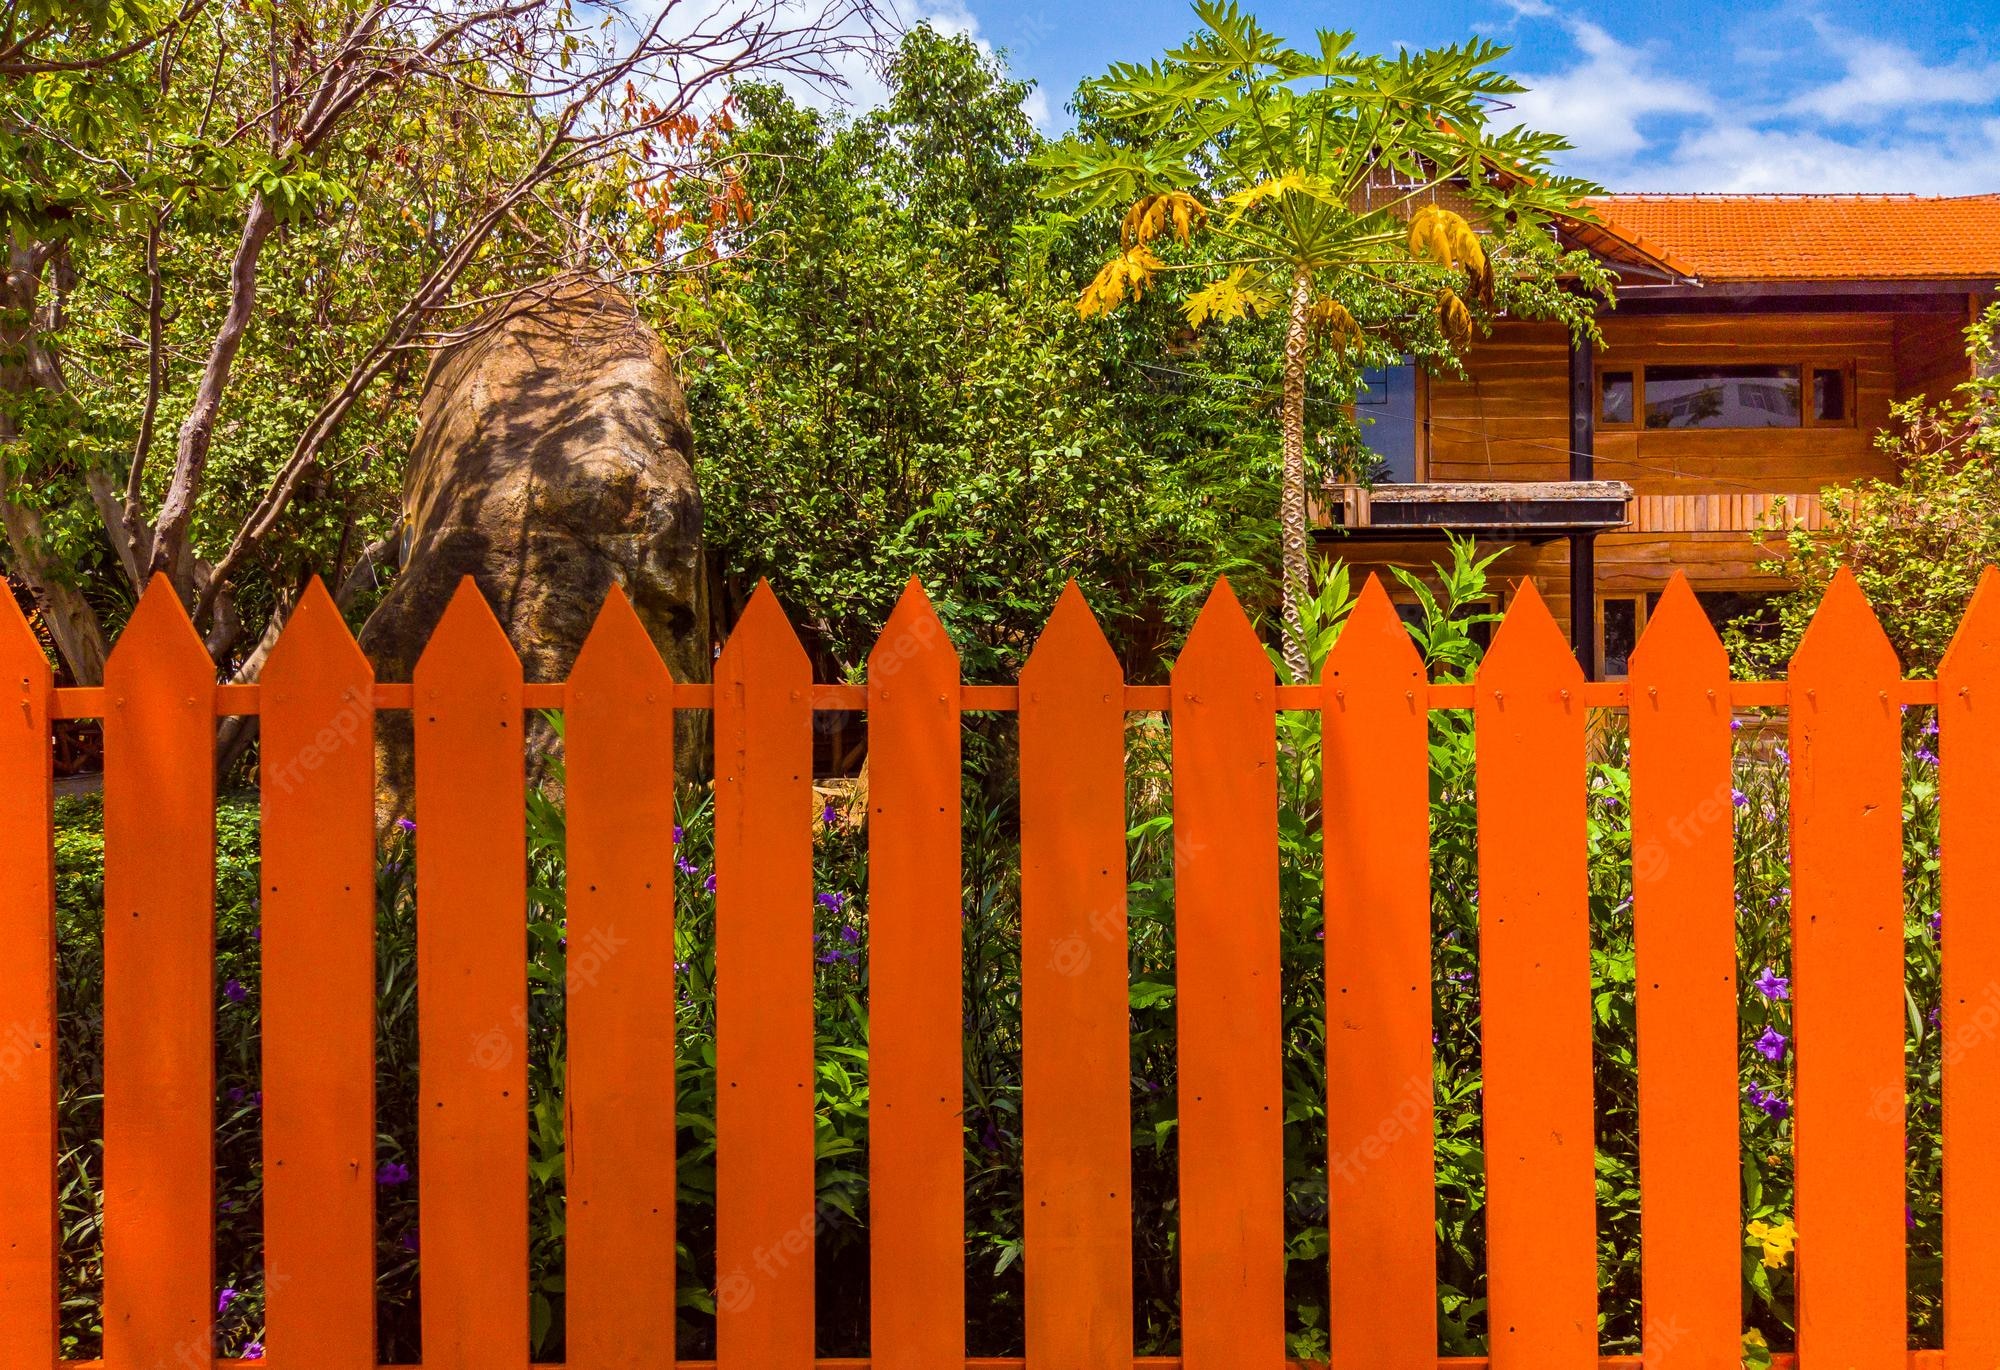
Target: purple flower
1739,799
254,1351
391,1172
1931,726
828,814
224,1299
1735,725
685,866
407,824
709,884
409,1242
830,900
1773,986
1926,756
827,958
1771,1102
257,934
1771,1046
677,832
850,935
234,991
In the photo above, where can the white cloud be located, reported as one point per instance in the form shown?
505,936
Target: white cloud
1883,76
1879,123
1601,103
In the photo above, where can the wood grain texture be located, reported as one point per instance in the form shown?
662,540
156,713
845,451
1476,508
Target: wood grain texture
1232,1146
1534,951
1380,1112
29,1237
1847,986
1684,909
318,792
1075,1064
1968,756
766,1203
159,988
618,752
472,992
916,1163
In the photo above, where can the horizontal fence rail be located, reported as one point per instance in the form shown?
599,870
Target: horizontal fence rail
318,704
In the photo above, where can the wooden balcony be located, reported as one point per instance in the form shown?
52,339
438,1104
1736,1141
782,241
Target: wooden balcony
1530,511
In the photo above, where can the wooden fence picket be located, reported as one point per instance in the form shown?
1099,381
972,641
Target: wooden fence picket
1847,986
1534,952
1968,756
618,751
28,1138
916,1168
1684,908
1075,999
159,988
1231,1086
472,992
766,1201
317,781
1381,1174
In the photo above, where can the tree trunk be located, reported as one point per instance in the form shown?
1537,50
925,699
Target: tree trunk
1292,496
25,367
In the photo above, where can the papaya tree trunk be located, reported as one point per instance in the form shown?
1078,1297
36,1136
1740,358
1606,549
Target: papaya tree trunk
1292,497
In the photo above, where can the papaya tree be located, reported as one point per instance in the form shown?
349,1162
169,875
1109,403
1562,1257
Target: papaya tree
1350,197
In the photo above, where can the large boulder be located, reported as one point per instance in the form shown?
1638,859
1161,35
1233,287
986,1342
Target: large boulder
553,460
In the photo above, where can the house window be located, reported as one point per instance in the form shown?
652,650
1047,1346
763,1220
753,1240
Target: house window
1614,399
1722,397
1733,396
1386,409
1620,620
1830,404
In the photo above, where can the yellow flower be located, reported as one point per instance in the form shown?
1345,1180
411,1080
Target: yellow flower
1777,1240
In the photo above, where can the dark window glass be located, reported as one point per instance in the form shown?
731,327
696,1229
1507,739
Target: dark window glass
1614,403
1722,397
1621,635
1830,396
1753,611
1386,406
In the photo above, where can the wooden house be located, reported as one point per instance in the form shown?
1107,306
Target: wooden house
1752,356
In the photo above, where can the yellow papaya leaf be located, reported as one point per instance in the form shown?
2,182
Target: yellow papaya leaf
1225,300
1330,321
1454,318
1250,197
1129,272
1151,214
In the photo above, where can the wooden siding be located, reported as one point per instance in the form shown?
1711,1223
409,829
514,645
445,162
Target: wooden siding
1701,497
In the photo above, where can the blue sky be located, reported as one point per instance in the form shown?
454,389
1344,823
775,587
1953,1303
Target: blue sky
1720,95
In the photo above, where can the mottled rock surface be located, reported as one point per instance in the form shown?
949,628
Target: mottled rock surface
553,460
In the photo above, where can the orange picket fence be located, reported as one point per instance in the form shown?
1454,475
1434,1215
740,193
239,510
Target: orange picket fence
318,702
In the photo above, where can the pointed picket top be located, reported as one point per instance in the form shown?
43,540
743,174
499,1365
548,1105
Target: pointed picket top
159,645
466,635
1844,649
1223,652
316,646
1974,655
1374,647
912,641
619,654
1072,648
1679,646
21,656
763,635
1529,653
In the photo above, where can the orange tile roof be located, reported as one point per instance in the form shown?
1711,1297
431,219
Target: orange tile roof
1812,237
